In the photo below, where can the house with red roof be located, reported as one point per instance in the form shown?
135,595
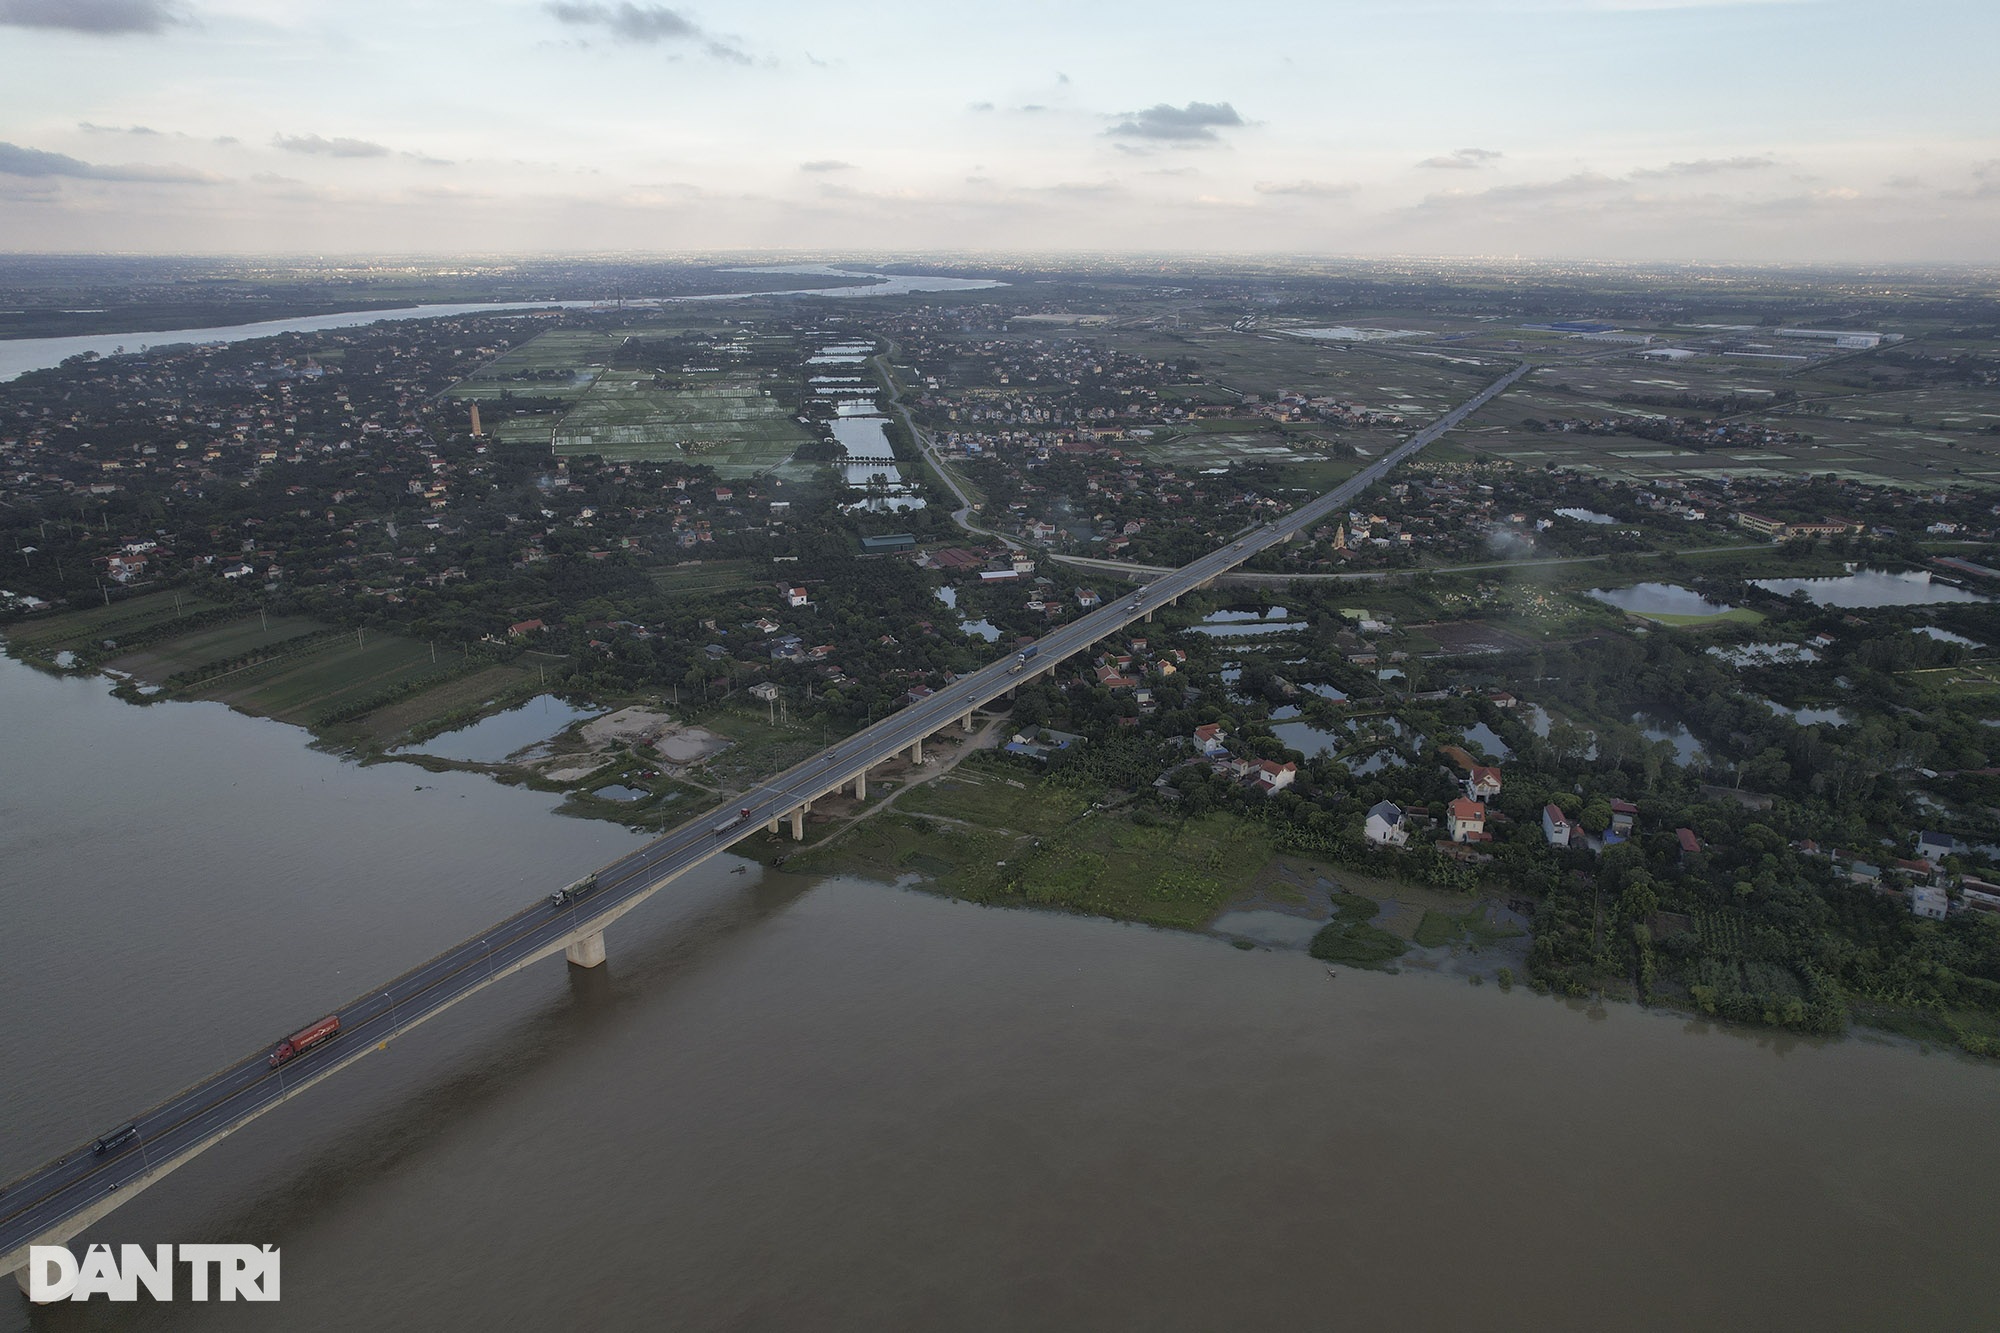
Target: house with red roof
1273,777
1556,826
1467,820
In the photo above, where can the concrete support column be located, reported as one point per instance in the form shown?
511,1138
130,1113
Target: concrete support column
967,723
799,824
21,1276
916,752
1149,617
772,827
587,952
861,785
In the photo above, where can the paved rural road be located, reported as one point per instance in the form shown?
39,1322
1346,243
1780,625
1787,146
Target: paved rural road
68,1193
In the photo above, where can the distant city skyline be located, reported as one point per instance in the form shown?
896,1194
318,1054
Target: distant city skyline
1740,131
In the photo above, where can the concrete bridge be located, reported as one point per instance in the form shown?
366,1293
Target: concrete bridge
57,1202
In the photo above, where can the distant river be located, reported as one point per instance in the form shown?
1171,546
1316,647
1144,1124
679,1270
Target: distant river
20,355
798,1104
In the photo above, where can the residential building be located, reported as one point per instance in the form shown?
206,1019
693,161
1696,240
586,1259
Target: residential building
1556,826
1274,777
1467,820
1385,826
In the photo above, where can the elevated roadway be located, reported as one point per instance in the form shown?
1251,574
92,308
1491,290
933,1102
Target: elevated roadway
56,1202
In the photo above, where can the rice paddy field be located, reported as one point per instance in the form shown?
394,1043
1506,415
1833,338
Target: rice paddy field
725,422
1917,438
1418,382
559,363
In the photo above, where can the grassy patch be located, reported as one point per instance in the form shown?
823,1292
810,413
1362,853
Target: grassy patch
704,576
988,839
1350,939
1435,930
992,795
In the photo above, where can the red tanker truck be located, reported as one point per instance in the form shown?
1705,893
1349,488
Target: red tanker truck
305,1039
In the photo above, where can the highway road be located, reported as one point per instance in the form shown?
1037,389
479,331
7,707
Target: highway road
55,1202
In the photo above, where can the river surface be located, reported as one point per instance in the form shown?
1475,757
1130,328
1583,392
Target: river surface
21,355
795,1104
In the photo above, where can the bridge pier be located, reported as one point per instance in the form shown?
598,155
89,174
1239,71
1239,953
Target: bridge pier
861,785
799,824
21,1276
772,827
916,752
966,724
586,952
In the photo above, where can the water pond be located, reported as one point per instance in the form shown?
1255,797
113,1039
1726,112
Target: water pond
1659,599
1246,630
1872,587
1586,516
1686,748
1488,740
1807,717
1307,739
1239,617
1376,762
1281,929
1765,654
490,740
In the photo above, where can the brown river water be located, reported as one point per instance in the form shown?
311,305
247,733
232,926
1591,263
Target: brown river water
797,1104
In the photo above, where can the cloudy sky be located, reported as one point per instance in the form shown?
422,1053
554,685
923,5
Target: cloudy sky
1731,130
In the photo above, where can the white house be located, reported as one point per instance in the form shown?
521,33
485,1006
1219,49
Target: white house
1467,819
1556,826
1385,826
1274,777
1928,902
1211,739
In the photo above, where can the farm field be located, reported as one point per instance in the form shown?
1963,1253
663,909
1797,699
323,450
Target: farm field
457,696
559,363
48,635
706,576
190,652
306,686
1415,384
727,423
1911,438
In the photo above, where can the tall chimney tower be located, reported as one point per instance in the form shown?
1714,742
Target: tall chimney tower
475,418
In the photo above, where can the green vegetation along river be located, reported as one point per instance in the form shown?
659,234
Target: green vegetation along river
797,1103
